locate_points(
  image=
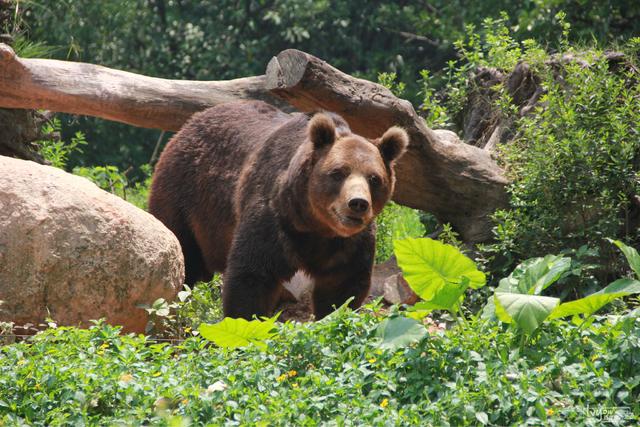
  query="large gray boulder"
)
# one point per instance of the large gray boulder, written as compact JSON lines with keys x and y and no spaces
{"x":73,"y":252}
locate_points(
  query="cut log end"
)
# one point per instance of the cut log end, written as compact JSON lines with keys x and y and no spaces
{"x":286,"y":70}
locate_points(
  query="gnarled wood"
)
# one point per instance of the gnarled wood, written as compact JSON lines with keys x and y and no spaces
{"x":459,"y":183}
{"x":93,"y":90}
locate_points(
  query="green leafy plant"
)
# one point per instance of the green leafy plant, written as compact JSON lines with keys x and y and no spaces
{"x":396,"y":222}
{"x":631,"y":254}
{"x":518,"y":299}
{"x":398,"y":331}
{"x":438,"y":273}
{"x":389,"y":80}
{"x":590,"y":304}
{"x":111,"y":179}
{"x":234,"y":333}
{"x":620,"y":288}
{"x":572,"y":158}
{"x":108,"y":178}
{"x":55,"y":150}
{"x":193,"y":306}
{"x":436,"y":115}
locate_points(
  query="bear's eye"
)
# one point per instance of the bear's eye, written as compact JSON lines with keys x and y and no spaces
{"x":337,"y":174}
{"x":374,"y":180}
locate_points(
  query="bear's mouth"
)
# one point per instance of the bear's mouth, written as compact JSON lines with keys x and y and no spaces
{"x":354,"y":220}
{"x":349,"y":221}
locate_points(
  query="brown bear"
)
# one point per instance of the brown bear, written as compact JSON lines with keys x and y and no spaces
{"x":258,"y":194}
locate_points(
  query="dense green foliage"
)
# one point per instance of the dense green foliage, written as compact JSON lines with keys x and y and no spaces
{"x":574,"y":161}
{"x":440,"y":274}
{"x":109,"y":178}
{"x":396,"y":222}
{"x":333,"y":372}
{"x":229,"y":39}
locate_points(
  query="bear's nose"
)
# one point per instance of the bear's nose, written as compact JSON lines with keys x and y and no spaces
{"x":358,"y":205}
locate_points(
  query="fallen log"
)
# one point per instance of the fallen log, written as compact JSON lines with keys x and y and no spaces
{"x":93,"y":90}
{"x":458,"y":183}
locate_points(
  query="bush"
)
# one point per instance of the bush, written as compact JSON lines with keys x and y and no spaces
{"x":110,"y":179}
{"x":330,"y":372}
{"x":574,"y":161}
{"x":194,"y":306}
{"x":54,"y":149}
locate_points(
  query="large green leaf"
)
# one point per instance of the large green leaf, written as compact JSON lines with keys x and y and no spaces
{"x":527,"y":311}
{"x":512,"y":282}
{"x":534,"y":275}
{"x":234,"y":333}
{"x":447,"y":298}
{"x":428,"y":265}
{"x":594,"y":302}
{"x":529,"y":277}
{"x":543,"y":273}
{"x":632,"y":255}
{"x":399,"y":332}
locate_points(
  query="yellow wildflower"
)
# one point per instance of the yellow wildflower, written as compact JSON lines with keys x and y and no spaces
{"x":294,"y":385}
{"x":550,"y":412}
{"x":292,"y":373}
{"x":539,"y":368}
{"x":281,"y":378}
{"x":157,"y":374}
{"x":372,"y":360}
{"x":384,"y":403}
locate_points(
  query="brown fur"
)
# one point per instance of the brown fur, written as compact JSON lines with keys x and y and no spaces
{"x":259,"y":194}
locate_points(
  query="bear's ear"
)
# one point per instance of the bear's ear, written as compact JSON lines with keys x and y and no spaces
{"x":393,"y":144}
{"x":322,"y":130}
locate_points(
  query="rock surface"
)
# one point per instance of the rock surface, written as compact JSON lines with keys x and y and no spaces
{"x":397,"y":291}
{"x":73,"y":252}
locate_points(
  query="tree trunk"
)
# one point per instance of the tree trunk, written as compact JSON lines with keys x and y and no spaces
{"x":457,"y":182}
{"x":18,"y":130}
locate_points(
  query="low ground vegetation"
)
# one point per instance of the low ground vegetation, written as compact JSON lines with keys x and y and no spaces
{"x":373,"y":366}
{"x":334,"y":371}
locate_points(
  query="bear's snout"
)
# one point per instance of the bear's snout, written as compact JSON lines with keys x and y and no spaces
{"x":357,"y":195}
{"x":358,"y":205}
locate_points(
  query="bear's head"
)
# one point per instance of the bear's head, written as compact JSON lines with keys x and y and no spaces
{"x":350,"y":178}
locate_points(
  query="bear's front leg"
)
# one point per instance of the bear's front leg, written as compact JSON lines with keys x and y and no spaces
{"x":255,"y":268}
{"x":247,"y":294}
{"x":330,"y":291}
